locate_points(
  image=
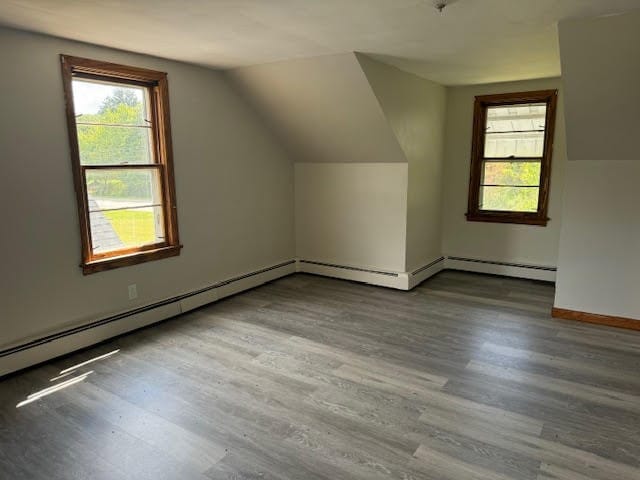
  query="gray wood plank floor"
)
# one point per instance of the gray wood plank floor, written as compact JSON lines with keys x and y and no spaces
{"x":465,"y":377}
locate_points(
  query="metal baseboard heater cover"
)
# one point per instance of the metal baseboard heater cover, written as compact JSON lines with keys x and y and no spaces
{"x":429,"y":265}
{"x":354,"y":269}
{"x":504,"y":264}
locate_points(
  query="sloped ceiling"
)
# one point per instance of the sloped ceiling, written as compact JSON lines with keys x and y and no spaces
{"x":472,"y":41}
{"x":601,"y":60}
{"x":323,"y":109}
{"x":412,"y":106}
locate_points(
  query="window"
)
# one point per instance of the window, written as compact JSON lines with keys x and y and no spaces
{"x":511,"y":157}
{"x":120,"y":139}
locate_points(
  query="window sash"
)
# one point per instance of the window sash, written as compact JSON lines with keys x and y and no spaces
{"x":157,"y":97}
{"x":475,"y":211}
{"x":127,"y":250}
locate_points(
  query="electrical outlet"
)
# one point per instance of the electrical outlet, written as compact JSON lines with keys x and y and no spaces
{"x":133,"y":291}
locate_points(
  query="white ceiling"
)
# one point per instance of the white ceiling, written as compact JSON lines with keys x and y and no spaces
{"x":472,"y":41}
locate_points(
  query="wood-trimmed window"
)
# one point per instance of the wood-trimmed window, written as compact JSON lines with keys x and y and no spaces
{"x":511,"y":157}
{"x":120,"y":142}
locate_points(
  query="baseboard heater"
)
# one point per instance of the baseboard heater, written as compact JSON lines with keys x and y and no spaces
{"x":136,"y":311}
{"x":505,"y":264}
{"x":353,"y":269}
{"x":427,"y":266}
{"x":512,"y":269}
{"x":381,"y":278}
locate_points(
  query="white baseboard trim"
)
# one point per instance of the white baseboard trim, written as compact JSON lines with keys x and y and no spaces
{"x":381,"y":278}
{"x":533,"y":272}
{"x":397,"y":280}
{"x":40,"y":350}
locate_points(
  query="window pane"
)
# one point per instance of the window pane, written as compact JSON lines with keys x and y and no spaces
{"x":519,"y":145}
{"x":131,"y":227}
{"x":511,"y":173}
{"x":514,"y":199}
{"x":118,"y":187}
{"x":104,"y":102}
{"x":508,"y":118}
{"x":109,"y":145}
{"x":125,"y":208}
{"x":515,"y":130}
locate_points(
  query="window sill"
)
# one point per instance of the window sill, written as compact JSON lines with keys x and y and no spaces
{"x":95,"y":266}
{"x":508,"y":217}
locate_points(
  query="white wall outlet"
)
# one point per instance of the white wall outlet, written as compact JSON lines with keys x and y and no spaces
{"x":133,"y":291}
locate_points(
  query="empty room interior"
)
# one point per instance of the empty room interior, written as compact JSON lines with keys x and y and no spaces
{"x":320,"y":240}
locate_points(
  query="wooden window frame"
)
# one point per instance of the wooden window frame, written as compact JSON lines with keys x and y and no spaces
{"x":482,"y":103}
{"x":157,"y":85}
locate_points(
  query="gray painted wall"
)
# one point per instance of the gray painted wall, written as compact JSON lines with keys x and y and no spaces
{"x":599,"y":261}
{"x":351,"y":172}
{"x":234,"y":190}
{"x":415,"y":110}
{"x":494,"y":241}
{"x":352,"y":214}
